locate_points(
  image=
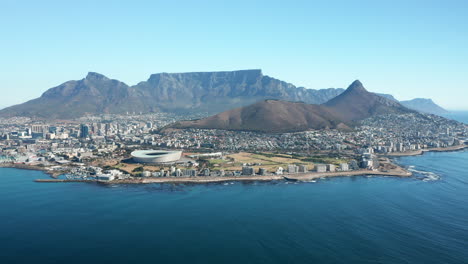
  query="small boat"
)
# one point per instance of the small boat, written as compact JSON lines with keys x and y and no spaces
{"x":290,"y":179}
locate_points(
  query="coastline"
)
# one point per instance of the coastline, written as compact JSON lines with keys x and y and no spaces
{"x":422,"y":151}
{"x":20,"y":166}
{"x":397,"y":171}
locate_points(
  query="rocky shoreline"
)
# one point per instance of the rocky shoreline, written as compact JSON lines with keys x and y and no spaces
{"x":400,"y":172}
{"x":21,"y":166}
{"x":396,"y":171}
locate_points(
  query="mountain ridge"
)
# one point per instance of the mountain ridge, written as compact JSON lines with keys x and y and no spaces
{"x":424,"y":105}
{"x":173,"y":92}
{"x":342,"y":112}
{"x":207,"y":92}
{"x":273,"y":116}
{"x":356,"y":103}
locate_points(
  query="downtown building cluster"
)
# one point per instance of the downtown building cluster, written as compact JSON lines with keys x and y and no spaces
{"x":58,"y":144}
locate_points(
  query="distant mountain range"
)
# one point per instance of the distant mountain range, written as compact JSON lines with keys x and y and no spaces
{"x":211,"y":92}
{"x":343,"y":111}
{"x":422,"y":105}
{"x":425,"y":106}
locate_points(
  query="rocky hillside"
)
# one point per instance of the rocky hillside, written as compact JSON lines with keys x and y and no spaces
{"x":211,"y":92}
{"x":356,"y":103}
{"x":343,"y":111}
{"x":270,"y":116}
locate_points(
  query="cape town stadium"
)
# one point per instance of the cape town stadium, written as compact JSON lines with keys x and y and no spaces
{"x":156,"y":156}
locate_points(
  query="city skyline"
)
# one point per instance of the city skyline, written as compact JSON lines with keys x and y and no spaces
{"x":397,"y":48}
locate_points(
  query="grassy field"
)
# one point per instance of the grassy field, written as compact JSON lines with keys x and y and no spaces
{"x":324,"y":160}
{"x":270,"y":161}
{"x":234,"y":162}
{"x":129,"y":167}
{"x":259,"y":160}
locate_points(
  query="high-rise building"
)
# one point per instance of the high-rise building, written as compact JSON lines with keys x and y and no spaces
{"x":107,"y":128}
{"x":84,"y":131}
{"x":344,"y":167}
{"x":38,"y":129}
{"x":293,"y":168}
{"x":320,"y":168}
{"x":303,"y":168}
{"x":95,"y":128}
{"x":248,"y":171}
{"x":190,"y":173}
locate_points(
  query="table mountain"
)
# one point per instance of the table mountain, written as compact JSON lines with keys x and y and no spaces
{"x":220,"y":91}
{"x":211,"y":92}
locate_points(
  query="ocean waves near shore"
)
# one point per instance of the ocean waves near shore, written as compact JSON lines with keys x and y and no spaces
{"x":332,"y":220}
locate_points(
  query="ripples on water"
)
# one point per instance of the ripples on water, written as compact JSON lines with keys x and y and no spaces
{"x":423,"y":175}
{"x":332,"y":220}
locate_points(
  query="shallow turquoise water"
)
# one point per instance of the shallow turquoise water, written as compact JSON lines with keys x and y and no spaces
{"x":342,"y":220}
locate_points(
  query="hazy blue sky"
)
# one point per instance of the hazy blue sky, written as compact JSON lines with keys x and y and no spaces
{"x":405,"y":48}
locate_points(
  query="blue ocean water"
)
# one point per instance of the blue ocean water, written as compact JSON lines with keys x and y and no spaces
{"x":423,"y":219}
{"x":461,"y":116}
{"x":342,"y":220}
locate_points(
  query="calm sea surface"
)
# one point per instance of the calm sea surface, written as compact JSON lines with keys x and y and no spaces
{"x":423,"y":219}
{"x":461,"y":116}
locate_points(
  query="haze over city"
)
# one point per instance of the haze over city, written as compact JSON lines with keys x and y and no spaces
{"x":409,"y":50}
